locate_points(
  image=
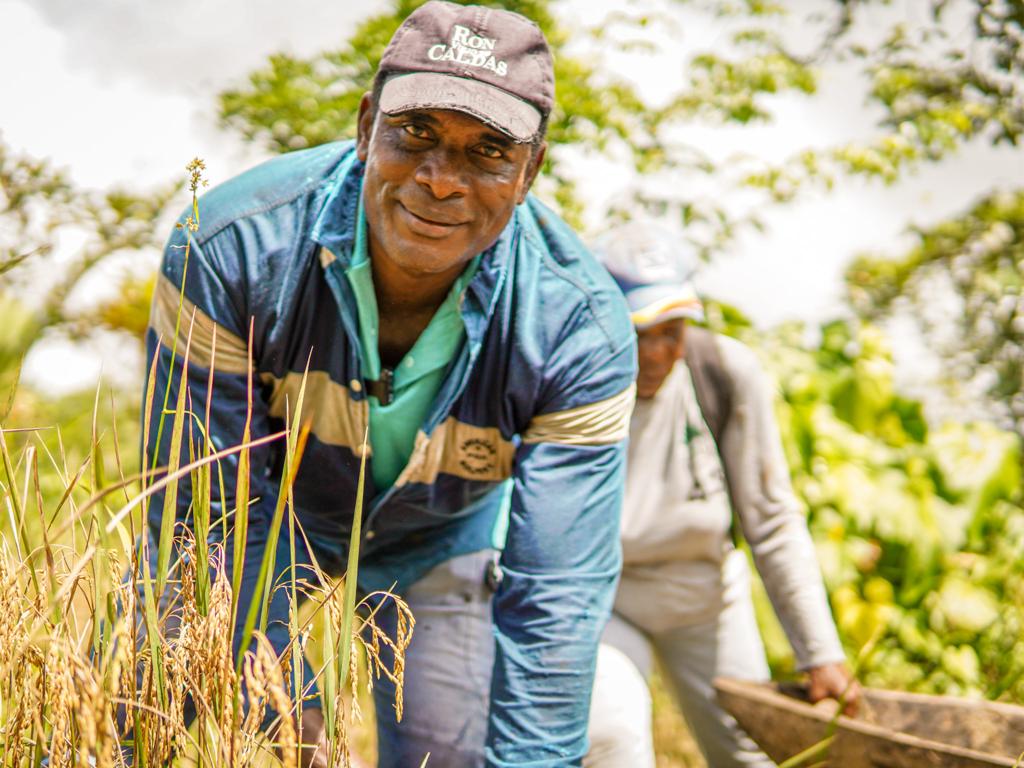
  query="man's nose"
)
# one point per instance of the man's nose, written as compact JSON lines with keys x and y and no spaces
{"x":443,"y":173}
{"x":649,"y":356}
{"x":653,"y":352}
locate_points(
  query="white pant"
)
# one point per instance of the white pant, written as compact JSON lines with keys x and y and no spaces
{"x":690,"y":658}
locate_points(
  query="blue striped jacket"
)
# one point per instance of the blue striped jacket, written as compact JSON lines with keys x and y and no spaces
{"x":539,"y":396}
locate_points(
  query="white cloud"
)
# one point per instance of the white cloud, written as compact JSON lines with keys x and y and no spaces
{"x":125,"y":92}
{"x":178,"y":45}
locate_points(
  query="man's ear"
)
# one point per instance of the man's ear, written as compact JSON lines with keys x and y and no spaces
{"x":364,"y":126}
{"x":532,"y":169}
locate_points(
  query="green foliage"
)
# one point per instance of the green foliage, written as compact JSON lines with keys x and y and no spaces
{"x":38,"y":207}
{"x":128,"y":312}
{"x":936,"y":86}
{"x":919,"y":530}
{"x":732,"y":90}
{"x":976,"y":260}
{"x":961,"y":283}
{"x":294,"y":103}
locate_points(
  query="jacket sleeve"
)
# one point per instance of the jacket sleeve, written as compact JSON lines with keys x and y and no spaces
{"x":562,"y":556}
{"x":214,"y":305}
{"x":770,"y":515}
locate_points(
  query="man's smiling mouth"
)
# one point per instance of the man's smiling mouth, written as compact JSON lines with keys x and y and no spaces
{"x":431,"y":218}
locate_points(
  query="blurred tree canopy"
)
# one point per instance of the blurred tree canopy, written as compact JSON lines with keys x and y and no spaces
{"x":932,"y":86}
{"x":294,"y":103}
{"x":52,"y":235}
{"x":39,"y":206}
{"x":955,"y":75}
{"x":963,"y":284}
{"x":936,"y":75}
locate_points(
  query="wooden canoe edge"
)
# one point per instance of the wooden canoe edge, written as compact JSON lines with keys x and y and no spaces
{"x":766,"y":695}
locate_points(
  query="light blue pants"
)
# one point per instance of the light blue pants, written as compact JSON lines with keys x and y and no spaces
{"x":448,"y":678}
{"x":447,"y":671}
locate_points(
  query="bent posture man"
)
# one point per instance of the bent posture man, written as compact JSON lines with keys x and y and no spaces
{"x":489,"y":355}
{"x":703,"y":446}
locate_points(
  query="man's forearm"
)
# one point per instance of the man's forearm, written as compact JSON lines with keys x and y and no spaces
{"x":547,"y":631}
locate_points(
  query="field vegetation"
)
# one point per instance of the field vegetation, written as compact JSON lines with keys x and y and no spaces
{"x":110,"y":632}
{"x":917,"y":513}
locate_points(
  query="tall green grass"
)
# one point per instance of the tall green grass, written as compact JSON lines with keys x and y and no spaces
{"x":98,"y":653}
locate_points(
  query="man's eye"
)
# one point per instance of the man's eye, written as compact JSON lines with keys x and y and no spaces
{"x":417,"y":131}
{"x":490,"y":151}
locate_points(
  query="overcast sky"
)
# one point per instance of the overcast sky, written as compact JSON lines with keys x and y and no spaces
{"x":123,"y":91}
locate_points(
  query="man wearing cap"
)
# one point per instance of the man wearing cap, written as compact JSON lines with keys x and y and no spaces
{"x":438,"y":305}
{"x":704,"y":456}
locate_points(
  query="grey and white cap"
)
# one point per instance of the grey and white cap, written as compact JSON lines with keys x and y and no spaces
{"x":492,"y":64}
{"x":654,"y":268}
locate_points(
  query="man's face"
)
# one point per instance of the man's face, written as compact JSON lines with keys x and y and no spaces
{"x":658,"y":348}
{"x":439,"y":185}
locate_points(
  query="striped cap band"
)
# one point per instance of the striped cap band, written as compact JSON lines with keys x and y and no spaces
{"x":652,"y":304}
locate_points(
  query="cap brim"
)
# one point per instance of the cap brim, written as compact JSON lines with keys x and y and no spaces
{"x":656,"y":304}
{"x":431,"y":90}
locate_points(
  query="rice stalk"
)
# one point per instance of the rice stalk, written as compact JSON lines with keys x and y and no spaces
{"x":98,"y":652}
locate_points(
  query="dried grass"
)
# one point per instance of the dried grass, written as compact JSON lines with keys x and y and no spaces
{"x":96,"y":655}
{"x":79,"y":678}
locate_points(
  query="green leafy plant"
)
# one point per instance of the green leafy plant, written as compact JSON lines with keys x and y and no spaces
{"x":918,"y":528}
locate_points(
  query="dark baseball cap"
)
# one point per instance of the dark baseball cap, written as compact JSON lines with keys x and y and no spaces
{"x":492,"y":64}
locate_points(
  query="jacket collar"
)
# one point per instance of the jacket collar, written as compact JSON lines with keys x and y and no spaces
{"x":335,"y":226}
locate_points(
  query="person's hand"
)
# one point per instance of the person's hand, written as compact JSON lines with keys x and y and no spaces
{"x":834,"y":681}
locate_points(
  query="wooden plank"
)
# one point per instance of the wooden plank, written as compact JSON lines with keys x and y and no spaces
{"x":985,"y":726}
{"x":892,"y":729}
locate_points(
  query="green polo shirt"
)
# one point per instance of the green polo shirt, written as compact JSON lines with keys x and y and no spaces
{"x":417,"y":378}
